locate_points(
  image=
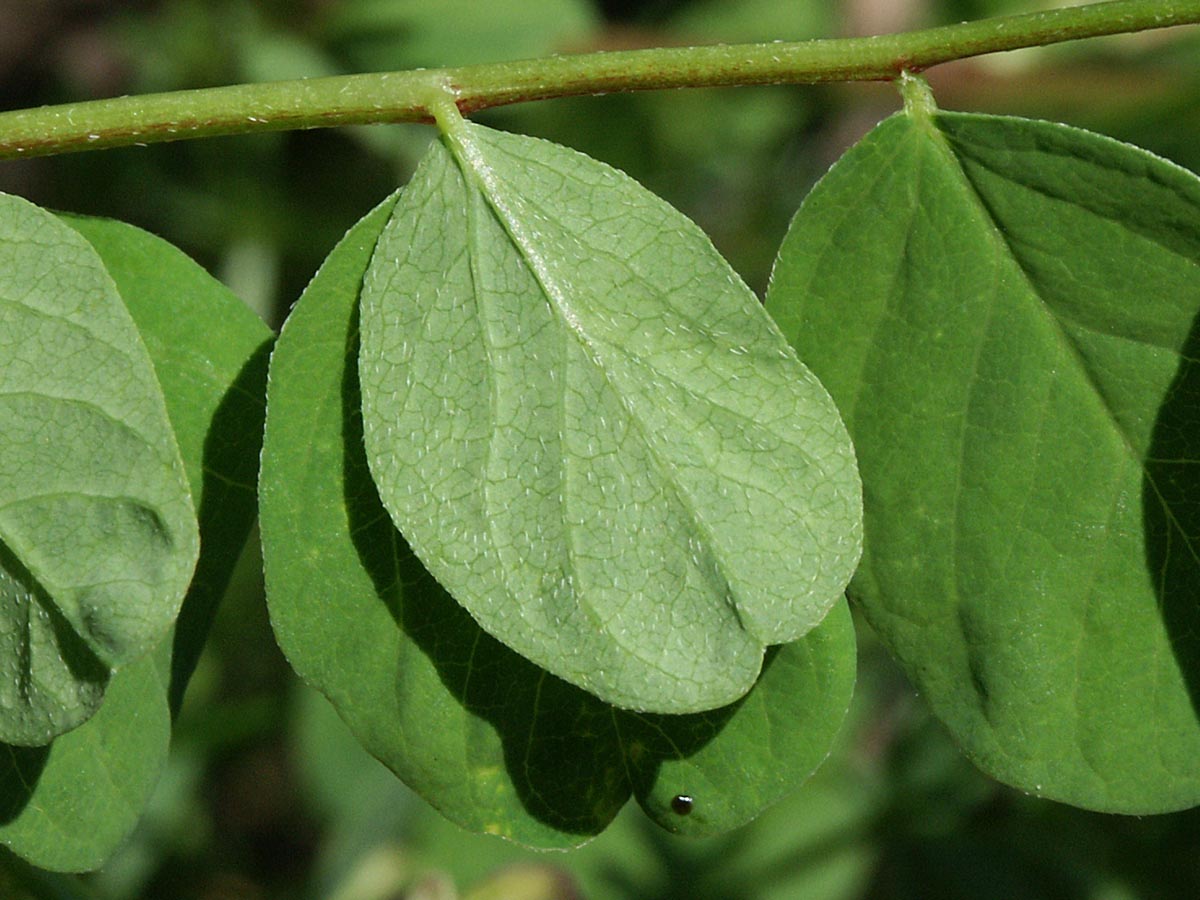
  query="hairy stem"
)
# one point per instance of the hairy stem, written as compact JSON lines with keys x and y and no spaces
{"x":411,"y":96}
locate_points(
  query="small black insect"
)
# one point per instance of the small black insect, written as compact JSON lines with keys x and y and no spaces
{"x":681,"y":804}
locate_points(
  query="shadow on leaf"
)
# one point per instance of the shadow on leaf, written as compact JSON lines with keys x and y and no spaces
{"x":226,"y":512}
{"x":66,"y":693}
{"x":1171,"y":501}
{"x":20,"y":770}
{"x":564,"y":751}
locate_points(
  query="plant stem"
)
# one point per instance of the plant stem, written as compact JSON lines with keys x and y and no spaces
{"x":410,"y":96}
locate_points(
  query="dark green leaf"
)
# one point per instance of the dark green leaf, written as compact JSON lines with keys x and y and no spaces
{"x":588,"y":429}
{"x":497,"y":744}
{"x":734,"y":762}
{"x":1006,"y":311}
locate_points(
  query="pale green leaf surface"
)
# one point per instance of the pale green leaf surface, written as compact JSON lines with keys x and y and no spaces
{"x":495,"y":743}
{"x":69,"y":805}
{"x":590,"y":432}
{"x":98,"y":536}
{"x":1005,"y":311}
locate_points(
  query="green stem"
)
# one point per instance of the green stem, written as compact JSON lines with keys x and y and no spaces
{"x":410,"y":96}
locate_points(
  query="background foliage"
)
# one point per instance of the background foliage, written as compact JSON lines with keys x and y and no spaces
{"x":265,"y":794}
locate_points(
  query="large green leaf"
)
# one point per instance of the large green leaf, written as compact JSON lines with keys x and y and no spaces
{"x":1005,"y":311}
{"x":98,"y":536}
{"x":497,"y":744}
{"x":67,"y":806}
{"x":587,"y":428}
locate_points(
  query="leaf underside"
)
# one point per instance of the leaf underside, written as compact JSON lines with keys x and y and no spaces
{"x":1005,"y":311}
{"x":98,"y":536}
{"x":588,"y":429}
{"x":68,"y":806}
{"x":497,"y":744}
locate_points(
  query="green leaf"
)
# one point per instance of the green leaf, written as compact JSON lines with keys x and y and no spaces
{"x":590,"y":432}
{"x":495,"y":743}
{"x":1006,"y":312}
{"x":98,"y":535}
{"x":735,"y":762}
{"x":69,"y":805}
{"x":210,"y":354}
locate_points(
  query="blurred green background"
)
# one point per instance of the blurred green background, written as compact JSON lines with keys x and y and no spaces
{"x":266,"y":794}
